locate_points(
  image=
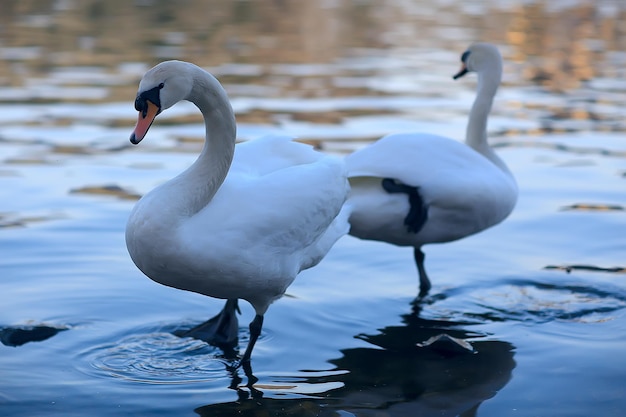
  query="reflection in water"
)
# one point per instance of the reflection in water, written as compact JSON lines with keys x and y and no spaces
{"x":291,"y":31}
{"x":407,"y":380}
{"x":110,"y":190}
{"x":55,"y":51}
{"x":395,"y":377}
{"x":556,"y":47}
{"x":531,"y":301}
{"x":570,"y":44}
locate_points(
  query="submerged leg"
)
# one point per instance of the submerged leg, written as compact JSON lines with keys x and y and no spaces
{"x":418,"y":211}
{"x":255,"y":330}
{"x":424,"y":281}
{"x":221,"y":330}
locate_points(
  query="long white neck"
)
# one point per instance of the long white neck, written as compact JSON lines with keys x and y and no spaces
{"x":476,"y":134}
{"x":197,"y":185}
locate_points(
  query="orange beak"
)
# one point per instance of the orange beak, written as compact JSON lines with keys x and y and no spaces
{"x":144,"y":122}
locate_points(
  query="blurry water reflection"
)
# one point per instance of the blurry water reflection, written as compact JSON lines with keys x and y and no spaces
{"x":95,"y":51}
{"x":396,"y":377}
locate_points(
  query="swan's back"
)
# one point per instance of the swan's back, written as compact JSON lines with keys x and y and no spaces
{"x":272,"y":153}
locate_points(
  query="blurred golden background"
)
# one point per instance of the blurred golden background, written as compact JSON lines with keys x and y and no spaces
{"x":554,"y":46}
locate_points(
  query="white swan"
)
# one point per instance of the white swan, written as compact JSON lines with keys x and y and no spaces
{"x":241,"y":230}
{"x":413,"y":189}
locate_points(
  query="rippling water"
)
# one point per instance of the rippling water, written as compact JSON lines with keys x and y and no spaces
{"x":541,"y":298}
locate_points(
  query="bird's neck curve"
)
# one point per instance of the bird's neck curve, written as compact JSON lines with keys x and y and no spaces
{"x":198,"y":184}
{"x":476,"y":134}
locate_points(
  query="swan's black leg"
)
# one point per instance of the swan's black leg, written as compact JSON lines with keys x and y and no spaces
{"x":221,"y":330}
{"x":255,"y":330}
{"x":414,"y":221}
{"x":424,"y":281}
{"x":418,"y":211}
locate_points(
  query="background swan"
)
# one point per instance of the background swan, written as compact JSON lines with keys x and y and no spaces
{"x":413,"y":189}
{"x":241,"y":231}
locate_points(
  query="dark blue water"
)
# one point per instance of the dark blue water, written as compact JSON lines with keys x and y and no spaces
{"x":540,"y":298}
{"x":344,"y":340}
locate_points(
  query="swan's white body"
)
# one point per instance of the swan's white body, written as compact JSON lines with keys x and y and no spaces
{"x":465,"y":188}
{"x":241,"y":230}
{"x":274,"y":216}
{"x":464,"y":191}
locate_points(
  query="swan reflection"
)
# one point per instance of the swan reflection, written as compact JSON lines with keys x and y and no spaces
{"x":394,"y":376}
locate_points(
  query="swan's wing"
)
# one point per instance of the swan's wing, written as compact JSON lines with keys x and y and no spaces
{"x":291,"y":206}
{"x":440,"y":167}
{"x":281,"y":202}
{"x":409,"y":157}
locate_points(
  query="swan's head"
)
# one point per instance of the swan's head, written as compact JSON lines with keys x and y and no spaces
{"x":479,"y":57}
{"x":160,"y":88}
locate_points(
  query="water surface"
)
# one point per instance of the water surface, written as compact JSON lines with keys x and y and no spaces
{"x":541,"y":298}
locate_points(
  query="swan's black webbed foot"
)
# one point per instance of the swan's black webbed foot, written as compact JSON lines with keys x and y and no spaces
{"x":221,"y":331}
{"x":418,"y":211}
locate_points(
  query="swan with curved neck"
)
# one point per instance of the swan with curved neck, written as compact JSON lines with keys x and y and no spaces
{"x":412,"y":189}
{"x":242,"y":221}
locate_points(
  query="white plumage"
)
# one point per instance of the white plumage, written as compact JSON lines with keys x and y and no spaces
{"x":456,"y":189}
{"x":239,"y":228}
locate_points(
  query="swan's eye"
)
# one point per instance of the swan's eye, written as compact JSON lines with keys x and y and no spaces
{"x":152,"y":95}
{"x":465,"y":56}
{"x":140,"y":104}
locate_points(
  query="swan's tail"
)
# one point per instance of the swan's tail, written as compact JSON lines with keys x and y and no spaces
{"x":338,"y":228}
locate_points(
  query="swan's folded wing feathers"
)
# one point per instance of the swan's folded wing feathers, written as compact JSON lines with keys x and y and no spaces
{"x":409,"y":157}
{"x":290,"y":207}
{"x":450,"y":169}
{"x":308,"y":198}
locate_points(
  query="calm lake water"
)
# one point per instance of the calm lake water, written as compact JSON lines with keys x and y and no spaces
{"x":541,"y":297}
